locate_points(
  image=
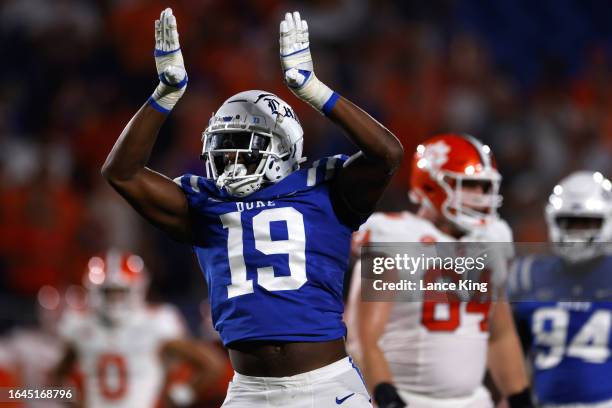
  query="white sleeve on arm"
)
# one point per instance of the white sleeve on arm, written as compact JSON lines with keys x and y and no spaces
{"x":170,"y":323}
{"x":70,"y":325}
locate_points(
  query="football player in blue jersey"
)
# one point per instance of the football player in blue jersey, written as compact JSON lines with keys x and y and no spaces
{"x":272,"y":239}
{"x":563,"y":301}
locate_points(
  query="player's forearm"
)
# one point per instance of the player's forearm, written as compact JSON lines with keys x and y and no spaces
{"x":133,"y":148}
{"x":375,"y":367}
{"x":205,"y":377}
{"x":62,"y":370}
{"x":376,"y":142}
{"x":209,"y":367}
{"x":207,"y":363}
{"x":506,"y":364}
{"x":59,"y":375}
{"x":505,"y":356}
{"x":206,"y":360}
{"x":379,"y":379}
{"x":370,"y":325}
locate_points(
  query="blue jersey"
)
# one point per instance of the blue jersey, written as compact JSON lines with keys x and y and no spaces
{"x":275,"y":260}
{"x":569,"y":340}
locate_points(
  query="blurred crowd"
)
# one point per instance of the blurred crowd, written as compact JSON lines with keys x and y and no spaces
{"x":531,"y":79}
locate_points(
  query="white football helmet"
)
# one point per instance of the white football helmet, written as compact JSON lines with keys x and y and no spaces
{"x":116,"y":285}
{"x":579,"y":215}
{"x":254,"y":138}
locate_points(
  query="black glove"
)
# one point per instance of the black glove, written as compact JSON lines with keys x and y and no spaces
{"x":386,"y":396}
{"x":521,"y":399}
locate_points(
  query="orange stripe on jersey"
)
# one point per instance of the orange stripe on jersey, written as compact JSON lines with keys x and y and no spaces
{"x":427,"y":239}
{"x":394,"y":215}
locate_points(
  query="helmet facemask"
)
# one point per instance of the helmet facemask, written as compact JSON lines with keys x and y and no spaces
{"x":465,"y":207}
{"x":236,"y":160}
{"x":243,"y":161}
{"x":578,"y":238}
{"x":118,"y":303}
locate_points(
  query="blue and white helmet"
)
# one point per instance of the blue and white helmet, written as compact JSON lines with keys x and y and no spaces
{"x":584,"y":199}
{"x":254,"y":138}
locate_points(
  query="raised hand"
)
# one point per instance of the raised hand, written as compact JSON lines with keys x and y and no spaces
{"x":297,"y":66}
{"x":295,"y":50}
{"x":169,"y":63}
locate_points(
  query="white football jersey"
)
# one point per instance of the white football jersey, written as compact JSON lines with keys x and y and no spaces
{"x":434,"y":349}
{"x":35,"y":353}
{"x":121,"y":365}
{"x":7,"y":365}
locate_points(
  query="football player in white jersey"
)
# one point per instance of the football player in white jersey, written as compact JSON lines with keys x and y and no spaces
{"x":434,"y":354}
{"x":36,"y":350}
{"x":124,"y":348}
{"x":8,"y":376}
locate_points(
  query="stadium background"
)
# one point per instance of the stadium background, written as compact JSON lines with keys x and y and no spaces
{"x":530,"y":78}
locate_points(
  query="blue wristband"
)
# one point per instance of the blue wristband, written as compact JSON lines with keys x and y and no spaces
{"x":157,"y":106}
{"x":331,"y":102}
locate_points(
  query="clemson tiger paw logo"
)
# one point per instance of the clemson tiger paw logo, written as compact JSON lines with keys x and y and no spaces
{"x":434,"y":155}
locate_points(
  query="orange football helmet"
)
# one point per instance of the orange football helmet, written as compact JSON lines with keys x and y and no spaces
{"x":116,"y":284}
{"x":445,"y":171}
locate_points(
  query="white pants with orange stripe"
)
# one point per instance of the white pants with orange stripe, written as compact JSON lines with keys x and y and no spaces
{"x":337,"y":385}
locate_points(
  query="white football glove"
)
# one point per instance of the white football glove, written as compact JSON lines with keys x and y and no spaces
{"x":181,"y":395}
{"x":296,"y":63}
{"x":169,"y":63}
